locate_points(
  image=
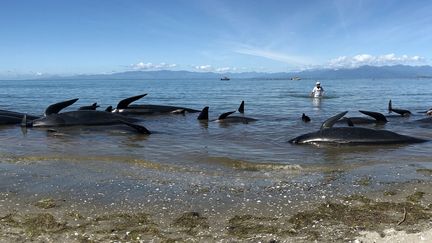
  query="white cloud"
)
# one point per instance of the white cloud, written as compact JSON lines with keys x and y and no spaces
{"x":207,"y":68}
{"x":151,"y":66}
{"x":366,"y":59}
{"x":226,"y":69}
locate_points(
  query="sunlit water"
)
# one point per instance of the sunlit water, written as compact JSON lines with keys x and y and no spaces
{"x":182,"y":143}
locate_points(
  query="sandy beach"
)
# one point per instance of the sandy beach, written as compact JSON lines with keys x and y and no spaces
{"x":168,"y":204}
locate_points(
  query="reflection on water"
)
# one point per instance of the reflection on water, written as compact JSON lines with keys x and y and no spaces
{"x":316,"y":102}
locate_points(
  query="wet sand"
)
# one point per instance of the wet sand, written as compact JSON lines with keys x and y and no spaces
{"x":97,"y":200}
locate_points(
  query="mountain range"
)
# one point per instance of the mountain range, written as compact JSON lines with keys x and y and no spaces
{"x":396,"y":71}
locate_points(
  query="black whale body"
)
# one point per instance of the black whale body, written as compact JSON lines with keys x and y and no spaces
{"x":12,"y":117}
{"x":155,"y":109}
{"x":81,"y":117}
{"x":125,"y":107}
{"x":53,"y":118}
{"x":354,"y":135}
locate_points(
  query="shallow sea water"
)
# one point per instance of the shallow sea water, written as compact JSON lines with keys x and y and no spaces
{"x":98,"y":164}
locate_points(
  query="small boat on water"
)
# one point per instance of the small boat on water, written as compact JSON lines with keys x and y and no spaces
{"x":296,"y":78}
{"x":225,"y":78}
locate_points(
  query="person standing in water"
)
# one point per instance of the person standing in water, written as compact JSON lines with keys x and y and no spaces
{"x":317,"y":91}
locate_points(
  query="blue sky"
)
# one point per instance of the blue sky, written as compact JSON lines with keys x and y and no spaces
{"x":41,"y":37}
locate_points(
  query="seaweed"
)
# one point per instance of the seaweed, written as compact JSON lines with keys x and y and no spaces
{"x":365,"y":181}
{"x":247,"y":225}
{"x":45,"y":203}
{"x":416,"y":197}
{"x":389,"y":193}
{"x":425,"y":171}
{"x":368,"y":215}
{"x":42,"y":223}
{"x":192,"y":222}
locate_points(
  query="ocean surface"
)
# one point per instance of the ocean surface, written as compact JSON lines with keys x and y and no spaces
{"x":181,"y":143}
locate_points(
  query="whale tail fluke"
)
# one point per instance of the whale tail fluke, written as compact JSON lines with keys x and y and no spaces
{"x":203,"y":114}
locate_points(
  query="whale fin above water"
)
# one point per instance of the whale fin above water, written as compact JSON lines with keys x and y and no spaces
{"x":241,"y":107}
{"x":89,"y":107}
{"x":332,"y":120}
{"x":204,"y":114}
{"x":350,"y":122}
{"x":401,"y":112}
{"x":305,"y":118}
{"x":138,"y":128}
{"x":123,"y":104}
{"x":390,"y":108}
{"x":225,"y":115}
{"x":57,"y":107}
{"x":376,"y":115}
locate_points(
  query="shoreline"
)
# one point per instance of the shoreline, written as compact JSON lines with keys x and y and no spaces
{"x":45,"y":202}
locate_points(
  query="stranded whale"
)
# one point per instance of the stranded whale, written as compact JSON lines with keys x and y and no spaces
{"x":352,"y":135}
{"x":401,"y":112}
{"x":12,"y":117}
{"x":226,"y":117}
{"x":124,"y":106}
{"x":81,"y":118}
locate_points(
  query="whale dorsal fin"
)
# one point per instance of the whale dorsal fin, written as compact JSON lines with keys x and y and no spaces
{"x":390,"y":108}
{"x":123,"y":104}
{"x":305,"y":118}
{"x":204,"y":114}
{"x":241,"y":107}
{"x":349,"y":122}
{"x":332,"y":120}
{"x":57,"y":107}
{"x":94,"y":106}
{"x":225,"y":115}
{"x":376,"y":115}
{"x":401,"y":112}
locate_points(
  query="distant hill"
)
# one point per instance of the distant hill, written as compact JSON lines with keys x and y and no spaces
{"x":166,"y":74}
{"x":396,"y":71}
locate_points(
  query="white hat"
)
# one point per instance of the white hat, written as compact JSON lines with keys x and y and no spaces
{"x":318,"y":83}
